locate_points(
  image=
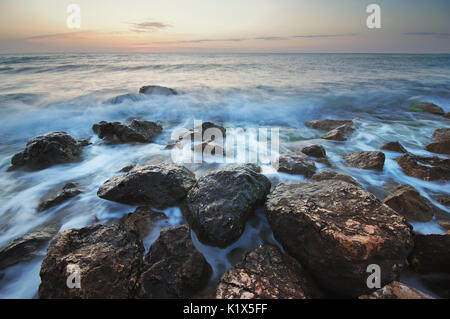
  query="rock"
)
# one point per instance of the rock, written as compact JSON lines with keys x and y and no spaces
{"x":407,"y":201}
{"x":315,"y":151}
{"x":26,"y":247}
{"x":427,"y":108}
{"x":444,"y":223}
{"x":156,"y":89}
{"x":212,"y":148}
{"x":397,"y":290}
{"x":137,"y":131}
{"x":173,"y":267}
{"x":197,"y":134}
{"x":141,"y":221}
{"x":125,"y":97}
{"x":327,"y":174}
{"x":128,"y":168}
{"x":48,"y":149}
{"x":55,"y":198}
{"x":340,"y":133}
{"x":366,"y":159}
{"x":323,"y":160}
{"x":447,"y":115}
{"x":335,"y":225}
{"x":443,"y":200}
{"x":109,"y":259}
{"x":442,"y":147}
{"x":327,"y":124}
{"x":442,"y":134}
{"x":431,"y":253}
{"x":394,"y":147}
{"x":426,"y":168}
{"x":218,"y":206}
{"x":266,"y":273}
{"x":295,"y":164}
{"x":84,"y":142}
{"x":160,"y":186}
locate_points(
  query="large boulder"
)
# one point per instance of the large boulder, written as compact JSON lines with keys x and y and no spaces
{"x":327,"y":124}
{"x":340,"y":133}
{"x":160,"y":186}
{"x":397,"y":290}
{"x":266,"y":273}
{"x":59,"y":196}
{"x":426,"y":168}
{"x":295,"y":164}
{"x":407,"y":201}
{"x":48,"y":149}
{"x":218,"y":206}
{"x":108,"y":257}
{"x":394,"y":147}
{"x":441,"y":147}
{"x":173,"y":267}
{"x":431,"y":253}
{"x":442,"y":134}
{"x":427,"y":108}
{"x":315,"y":151}
{"x":365,"y":159}
{"x":142,"y":220}
{"x":156,"y":89}
{"x":336,"y":225}
{"x":327,"y":174}
{"x":137,"y":131}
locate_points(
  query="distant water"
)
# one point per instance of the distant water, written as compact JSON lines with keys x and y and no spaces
{"x":67,"y":92}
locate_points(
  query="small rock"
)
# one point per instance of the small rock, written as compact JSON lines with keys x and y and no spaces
{"x":128,"y":168}
{"x":295,"y":164}
{"x":315,"y":151}
{"x":55,"y":198}
{"x":197,"y":134}
{"x":426,"y":107}
{"x":340,"y":133}
{"x":431,"y":253}
{"x":327,"y":174}
{"x":442,"y":147}
{"x":125,"y":97}
{"x":156,"y":89}
{"x":397,"y":290}
{"x":84,"y":142}
{"x":394,"y":147}
{"x":327,"y":124}
{"x":442,"y":134}
{"x":137,"y":131}
{"x":426,"y":168}
{"x":366,"y":159}
{"x":141,"y":221}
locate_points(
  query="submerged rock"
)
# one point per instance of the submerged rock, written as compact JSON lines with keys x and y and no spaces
{"x":442,"y":147}
{"x":340,"y":133}
{"x":109,"y":259}
{"x":315,"y":151}
{"x":366,"y":159}
{"x":327,"y":174}
{"x":26,"y":247}
{"x":295,"y":164}
{"x":266,"y":273}
{"x":55,"y":198}
{"x":218,"y":206}
{"x":125,"y":97}
{"x":394,"y":147}
{"x":336,"y":225}
{"x":431,"y":253}
{"x":48,"y":149}
{"x":160,"y":186}
{"x":137,"y":131}
{"x":141,"y":221}
{"x":397,"y":290}
{"x":173,"y":267}
{"x":427,"y":108}
{"x":156,"y":89}
{"x":426,"y":168}
{"x":327,"y":124}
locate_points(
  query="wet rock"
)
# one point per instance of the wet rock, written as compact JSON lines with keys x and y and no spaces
{"x":327,"y":124}
{"x":197,"y":134}
{"x":340,"y":133}
{"x":128,"y":168}
{"x":173,"y":267}
{"x":26,"y":247}
{"x":442,"y":147}
{"x":218,"y":206}
{"x":444,"y":223}
{"x":109,"y":259}
{"x":431,"y":253}
{"x":323,"y":160}
{"x":315,"y":151}
{"x":55,"y":198}
{"x":327,"y":175}
{"x":443,"y":200}
{"x":46,"y":150}
{"x":84,"y":142}
{"x":137,"y":131}
{"x":397,"y":290}
{"x":266,"y":273}
{"x":442,"y":134}
{"x":209,"y":148}
{"x":125,"y":97}
{"x":427,"y":108}
{"x":366,"y":159}
{"x":295,"y":164}
{"x":394,"y":147}
{"x":407,"y":201}
{"x":141,"y":221}
{"x":426,"y":168}
{"x":156,"y":89}
{"x":335,"y":225}
{"x":160,"y":186}
{"x":447,"y":115}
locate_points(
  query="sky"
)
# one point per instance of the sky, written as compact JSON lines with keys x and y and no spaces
{"x":407,"y":26}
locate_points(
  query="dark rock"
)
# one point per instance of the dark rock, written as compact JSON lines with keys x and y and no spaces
{"x":125,"y":97}
{"x":197,"y":134}
{"x":48,"y":149}
{"x":109,"y":259}
{"x":394,"y":147}
{"x":447,"y":115}
{"x":266,"y":273}
{"x":55,"y":198}
{"x":327,"y":174}
{"x":141,"y":221}
{"x":137,"y":131}
{"x":327,"y":124}
{"x":336,"y":229}
{"x":340,"y":133}
{"x":156,"y":89}
{"x":323,"y":160}
{"x":442,"y":134}
{"x":427,"y":108}
{"x":212,"y":148}
{"x":173,"y":267}
{"x":366,"y":159}
{"x":442,"y":147}
{"x":443,"y":200}
{"x":431,"y":253}
{"x":27,"y":247}
{"x":314,"y":150}
{"x":160,"y":186}
{"x":444,"y":223}
{"x":84,"y":142}
{"x":426,"y":168}
{"x":218,"y":206}
{"x":295,"y":164}
{"x":128,"y":168}
{"x":397,"y":290}
{"x":407,"y":201}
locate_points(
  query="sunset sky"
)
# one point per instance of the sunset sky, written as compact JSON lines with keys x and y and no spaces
{"x":224,"y":26}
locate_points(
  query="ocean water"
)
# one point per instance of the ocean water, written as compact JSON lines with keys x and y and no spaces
{"x":70,"y":92}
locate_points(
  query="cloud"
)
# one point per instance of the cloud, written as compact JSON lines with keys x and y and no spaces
{"x":325,"y":35}
{"x":429,"y":34}
{"x":61,"y":36}
{"x":148,"y":26}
